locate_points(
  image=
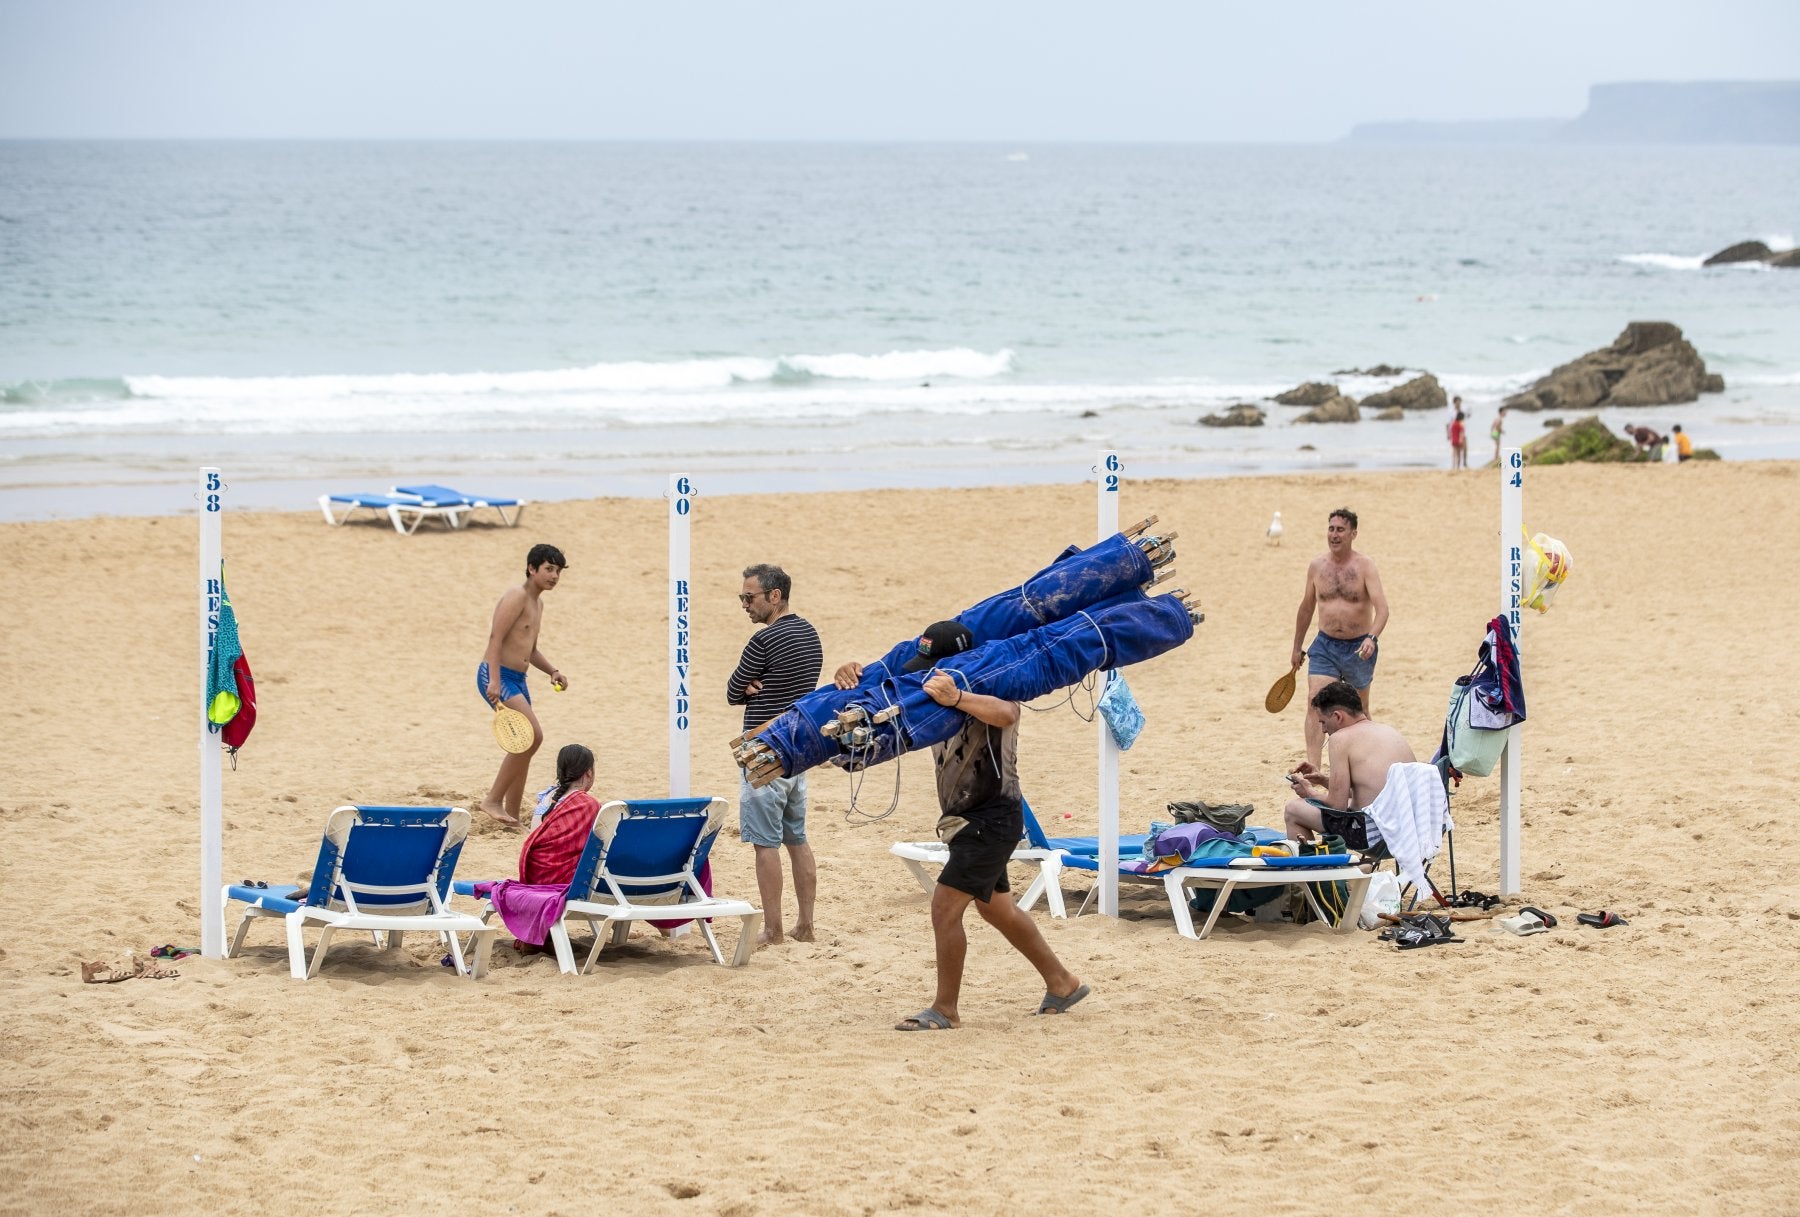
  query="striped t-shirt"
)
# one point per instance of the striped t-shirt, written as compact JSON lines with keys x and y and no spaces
{"x":786,"y":657}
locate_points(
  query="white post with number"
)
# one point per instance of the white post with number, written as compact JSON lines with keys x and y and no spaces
{"x":212,"y":594}
{"x":1106,"y":487}
{"x":1512,"y":591}
{"x":681,"y":502}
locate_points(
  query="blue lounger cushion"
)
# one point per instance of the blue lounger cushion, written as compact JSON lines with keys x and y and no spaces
{"x":445,"y":496}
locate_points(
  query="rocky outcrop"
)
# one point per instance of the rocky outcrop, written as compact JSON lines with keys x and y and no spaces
{"x":1743,"y":251}
{"x":1380,"y":369}
{"x":1241,"y":415}
{"x":1391,"y":414}
{"x":1586,"y":439}
{"x":1419,"y":393}
{"x":1312,"y":393}
{"x":1339,"y":409}
{"x":1650,"y":364}
{"x":1754,"y":251}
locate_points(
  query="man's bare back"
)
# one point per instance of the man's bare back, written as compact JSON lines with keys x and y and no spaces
{"x":1366,"y":750}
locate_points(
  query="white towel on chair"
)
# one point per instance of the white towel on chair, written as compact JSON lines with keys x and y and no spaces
{"x":1412,"y":811}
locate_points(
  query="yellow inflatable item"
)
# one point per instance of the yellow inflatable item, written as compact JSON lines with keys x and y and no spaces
{"x":224,"y":708}
{"x":1553,"y":566}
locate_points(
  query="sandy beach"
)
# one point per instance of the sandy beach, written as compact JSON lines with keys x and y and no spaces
{"x":1271,"y":1069}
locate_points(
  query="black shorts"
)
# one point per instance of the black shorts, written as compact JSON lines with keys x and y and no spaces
{"x":1353,"y":826}
{"x":980,"y":851}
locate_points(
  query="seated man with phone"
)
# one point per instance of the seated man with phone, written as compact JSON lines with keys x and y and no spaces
{"x":1361,"y":751}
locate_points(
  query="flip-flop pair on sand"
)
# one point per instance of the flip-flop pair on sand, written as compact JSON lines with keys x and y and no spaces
{"x":929,"y":1019}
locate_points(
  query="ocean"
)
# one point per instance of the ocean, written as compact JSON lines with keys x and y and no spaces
{"x":555,"y":320}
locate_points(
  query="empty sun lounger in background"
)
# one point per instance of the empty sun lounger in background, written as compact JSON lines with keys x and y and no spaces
{"x":446,"y":497}
{"x":641,"y":863}
{"x":404,"y":512}
{"x":383,"y":869}
{"x":1035,"y":849}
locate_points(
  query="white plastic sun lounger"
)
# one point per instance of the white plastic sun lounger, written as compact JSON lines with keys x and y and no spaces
{"x":404,"y":512}
{"x":1226,"y":875}
{"x":448,"y":498}
{"x":383,"y":869}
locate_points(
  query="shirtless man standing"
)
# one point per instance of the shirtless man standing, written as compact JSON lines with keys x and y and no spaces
{"x":512,"y":647}
{"x":1361,"y":753}
{"x":1345,"y":588}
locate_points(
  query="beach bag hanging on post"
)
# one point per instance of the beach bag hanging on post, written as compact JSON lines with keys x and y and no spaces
{"x":238,"y":729}
{"x":222,"y":700}
{"x":1124,"y":718}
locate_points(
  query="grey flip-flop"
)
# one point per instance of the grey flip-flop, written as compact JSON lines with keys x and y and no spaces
{"x":925,"y":1020}
{"x":1053,"y":1004}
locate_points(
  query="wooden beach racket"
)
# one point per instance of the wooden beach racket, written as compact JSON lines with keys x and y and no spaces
{"x":512,"y":730}
{"x":1280,"y":693}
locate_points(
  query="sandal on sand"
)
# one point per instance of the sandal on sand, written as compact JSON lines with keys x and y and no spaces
{"x":1528,"y":921}
{"x":100,"y":972}
{"x":925,"y":1020}
{"x":1053,"y":1004}
{"x":1602,"y":920}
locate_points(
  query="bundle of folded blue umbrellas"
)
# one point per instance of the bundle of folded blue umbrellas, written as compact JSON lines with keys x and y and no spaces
{"x":1088,"y":611}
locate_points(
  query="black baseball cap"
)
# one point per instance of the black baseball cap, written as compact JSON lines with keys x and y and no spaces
{"x":941,"y":640}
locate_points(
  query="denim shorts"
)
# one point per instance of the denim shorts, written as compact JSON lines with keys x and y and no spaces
{"x":775,"y":814}
{"x":1337,"y":658}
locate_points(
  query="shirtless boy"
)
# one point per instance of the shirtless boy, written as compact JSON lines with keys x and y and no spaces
{"x":1361,"y":752}
{"x":1345,"y":588}
{"x":512,"y":647}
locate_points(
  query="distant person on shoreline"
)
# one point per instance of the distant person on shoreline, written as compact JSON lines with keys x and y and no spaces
{"x":1496,"y":431}
{"x":512,"y":647}
{"x":1458,"y":432}
{"x":1345,"y":588}
{"x":1684,"y":446}
{"x":779,"y":665}
{"x":1647,"y":441}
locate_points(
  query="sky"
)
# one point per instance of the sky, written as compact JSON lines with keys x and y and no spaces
{"x":979,"y":70}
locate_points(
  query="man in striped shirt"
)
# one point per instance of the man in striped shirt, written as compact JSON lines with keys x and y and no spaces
{"x":780,"y":664}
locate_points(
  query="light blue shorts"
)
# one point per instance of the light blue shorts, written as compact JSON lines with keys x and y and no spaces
{"x":774,"y":815}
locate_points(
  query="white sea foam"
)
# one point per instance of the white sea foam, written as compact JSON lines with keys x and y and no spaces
{"x":1696,"y":261}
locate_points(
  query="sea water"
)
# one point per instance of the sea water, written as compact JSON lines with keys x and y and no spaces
{"x":559,"y":320}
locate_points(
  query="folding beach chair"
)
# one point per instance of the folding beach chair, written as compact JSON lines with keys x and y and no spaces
{"x":641,"y":863}
{"x":447,"y":498}
{"x":404,"y":512}
{"x":1044,"y":853}
{"x":382,"y":869}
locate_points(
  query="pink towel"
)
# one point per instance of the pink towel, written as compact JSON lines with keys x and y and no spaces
{"x":528,"y":910}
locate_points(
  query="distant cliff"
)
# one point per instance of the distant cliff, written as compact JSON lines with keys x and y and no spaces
{"x":1699,"y":112}
{"x":1702,"y":112}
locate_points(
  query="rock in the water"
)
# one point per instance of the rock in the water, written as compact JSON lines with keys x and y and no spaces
{"x":1390,"y":414}
{"x":1743,"y":251}
{"x":1380,"y":369}
{"x":1787,"y":257}
{"x":1419,"y":393}
{"x":1550,"y":424}
{"x":1649,"y":364}
{"x":1714,"y":383}
{"x":1241,"y":415}
{"x":1312,"y":393}
{"x":1338,"y":409}
{"x":1586,"y":439}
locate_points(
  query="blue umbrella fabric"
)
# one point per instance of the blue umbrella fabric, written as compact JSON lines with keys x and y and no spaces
{"x":1114,"y":633}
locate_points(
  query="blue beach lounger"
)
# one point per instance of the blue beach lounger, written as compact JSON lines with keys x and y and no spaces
{"x":381,"y":869}
{"x":641,"y":863}
{"x":447,"y":498}
{"x":404,"y":512}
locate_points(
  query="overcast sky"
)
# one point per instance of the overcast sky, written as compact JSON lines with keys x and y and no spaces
{"x":1006,"y":70}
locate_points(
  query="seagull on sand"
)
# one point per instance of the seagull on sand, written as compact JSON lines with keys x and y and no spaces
{"x":1275,"y":530}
